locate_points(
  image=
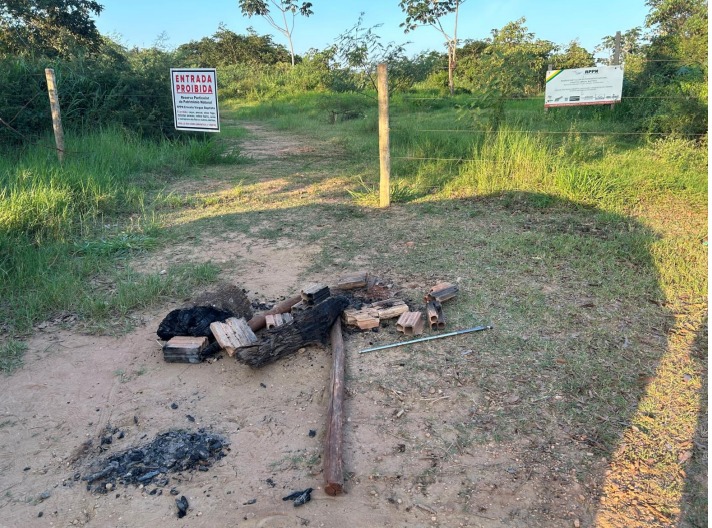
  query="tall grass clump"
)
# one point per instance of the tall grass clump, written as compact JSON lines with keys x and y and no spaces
{"x":62,"y":224}
{"x":506,"y":160}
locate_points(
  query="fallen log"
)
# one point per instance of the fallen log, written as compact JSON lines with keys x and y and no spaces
{"x":333,"y":444}
{"x":259,"y":321}
{"x":308,"y":328}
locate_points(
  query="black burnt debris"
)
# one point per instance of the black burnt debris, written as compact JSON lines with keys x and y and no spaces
{"x":193,"y":322}
{"x":299,"y":497}
{"x":171,"y":452}
{"x":182,"y":505}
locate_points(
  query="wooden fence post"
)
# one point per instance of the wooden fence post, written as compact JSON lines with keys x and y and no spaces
{"x":56,"y":116}
{"x":616,"y":54}
{"x":384,"y":142}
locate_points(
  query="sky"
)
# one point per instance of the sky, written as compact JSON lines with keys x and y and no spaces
{"x":140,"y":22}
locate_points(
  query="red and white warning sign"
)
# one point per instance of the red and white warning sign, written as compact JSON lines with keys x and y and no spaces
{"x":195,"y":99}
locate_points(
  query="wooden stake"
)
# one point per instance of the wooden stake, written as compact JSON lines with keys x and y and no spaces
{"x":333,"y":445}
{"x":384,"y":141}
{"x":56,"y":116}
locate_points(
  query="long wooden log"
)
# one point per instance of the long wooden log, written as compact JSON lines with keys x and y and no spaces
{"x":333,"y":444}
{"x":308,"y":328}
{"x":259,"y":321}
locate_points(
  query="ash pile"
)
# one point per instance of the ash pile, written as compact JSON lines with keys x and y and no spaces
{"x":171,"y":452}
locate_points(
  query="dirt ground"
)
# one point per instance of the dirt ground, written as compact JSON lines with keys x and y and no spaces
{"x":399,"y":474}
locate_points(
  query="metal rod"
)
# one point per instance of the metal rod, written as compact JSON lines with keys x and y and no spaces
{"x":457,"y":332}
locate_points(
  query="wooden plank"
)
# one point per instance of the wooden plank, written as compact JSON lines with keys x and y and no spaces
{"x":333,"y":441}
{"x":390,"y":308}
{"x":184,"y":349}
{"x":365,"y":318}
{"x":233,"y":334}
{"x":352,"y":281}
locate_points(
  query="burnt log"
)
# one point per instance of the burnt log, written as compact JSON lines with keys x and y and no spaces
{"x":333,"y":442}
{"x":308,"y":328}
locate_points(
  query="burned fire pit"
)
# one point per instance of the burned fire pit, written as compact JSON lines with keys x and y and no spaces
{"x":171,"y":452}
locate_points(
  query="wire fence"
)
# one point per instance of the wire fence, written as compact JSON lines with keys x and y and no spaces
{"x":97,"y":99}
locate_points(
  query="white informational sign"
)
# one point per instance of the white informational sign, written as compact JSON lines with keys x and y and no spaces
{"x":584,"y":86}
{"x":195,"y":99}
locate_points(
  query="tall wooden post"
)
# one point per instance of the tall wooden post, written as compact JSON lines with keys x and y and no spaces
{"x":56,"y":116}
{"x":617,"y":49}
{"x":384,"y":141}
{"x":616,"y":54}
{"x":548,"y":70}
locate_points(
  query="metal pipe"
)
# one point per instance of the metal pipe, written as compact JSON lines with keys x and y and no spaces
{"x":457,"y":332}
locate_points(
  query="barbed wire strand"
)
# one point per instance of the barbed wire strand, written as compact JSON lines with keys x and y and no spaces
{"x":571,"y":132}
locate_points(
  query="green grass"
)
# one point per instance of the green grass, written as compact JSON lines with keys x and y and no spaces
{"x":12,"y":354}
{"x":62,"y":225}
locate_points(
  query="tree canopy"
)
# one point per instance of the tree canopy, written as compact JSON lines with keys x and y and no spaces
{"x":226,"y":47}
{"x":48,"y":27}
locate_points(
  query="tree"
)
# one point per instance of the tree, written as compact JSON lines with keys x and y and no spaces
{"x":288,"y":8}
{"x":226,"y":47}
{"x":430,"y":13}
{"x":48,"y":27}
{"x":360,"y":50}
{"x":573,"y":56}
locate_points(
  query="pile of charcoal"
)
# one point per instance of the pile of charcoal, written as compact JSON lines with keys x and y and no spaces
{"x":171,"y":452}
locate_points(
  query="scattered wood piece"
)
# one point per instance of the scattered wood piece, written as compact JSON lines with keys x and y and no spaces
{"x":352,"y":281}
{"x":410,"y":323}
{"x":184,"y":349}
{"x":233,"y":334}
{"x":333,"y":445}
{"x":435,"y":315}
{"x":275,"y":320}
{"x":390,"y":308}
{"x":426,"y":508}
{"x":315,"y":293}
{"x":441,"y":292}
{"x":259,"y":321}
{"x":365,"y":318}
{"x":309,"y":327}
